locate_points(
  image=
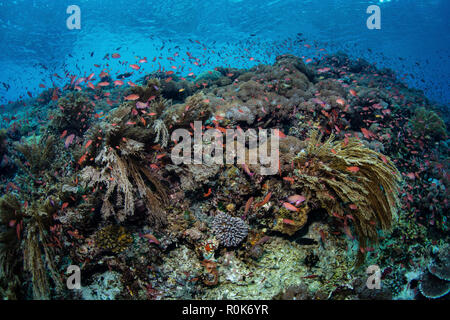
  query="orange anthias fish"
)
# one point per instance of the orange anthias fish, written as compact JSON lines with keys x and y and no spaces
{"x":248,"y":204}
{"x":353,"y":169}
{"x":151,"y":238}
{"x":208,"y":193}
{"x":289,"y":179}
{"x":265,"y":200}
{"x":135,"y":66}
{"x":288,"y":221}
{"x":279,"y":133}
{"x":69,"y":140}
{"x":132,"y":97}
{"x":340,"y":102}
{"x":297,"y":199}
{"x":367,"y":133}
{"x":82,"y":159}
{"x":88,"y":144}
{"x":290,"y":207}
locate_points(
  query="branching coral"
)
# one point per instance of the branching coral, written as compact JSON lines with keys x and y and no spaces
{"x":229,"y":230}
{"x":351,"y":181}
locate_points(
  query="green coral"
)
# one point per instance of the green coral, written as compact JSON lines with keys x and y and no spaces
{"x":113,"y":238}
{"x":209,"y":75}
{"x":427,"y":123}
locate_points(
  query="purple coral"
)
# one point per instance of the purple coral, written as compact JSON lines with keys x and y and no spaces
{"x":230,"y":231}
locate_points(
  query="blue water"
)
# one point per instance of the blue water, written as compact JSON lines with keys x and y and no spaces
{"x":35,"y":42}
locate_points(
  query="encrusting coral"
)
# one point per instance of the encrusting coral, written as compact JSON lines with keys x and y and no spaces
{"x":351,"y":182}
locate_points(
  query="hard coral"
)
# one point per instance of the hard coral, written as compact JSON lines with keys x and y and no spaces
{"x":229,"y":230}
{"x":435,"y":283}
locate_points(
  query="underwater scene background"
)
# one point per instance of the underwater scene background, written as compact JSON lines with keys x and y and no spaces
{"x":355,"y":98}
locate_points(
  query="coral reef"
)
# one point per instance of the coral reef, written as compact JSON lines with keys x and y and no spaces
{"x":113,"y":238}
{"x":360,"y":154}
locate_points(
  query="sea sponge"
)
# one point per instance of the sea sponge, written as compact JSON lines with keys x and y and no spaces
{"x":230,"y":231}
